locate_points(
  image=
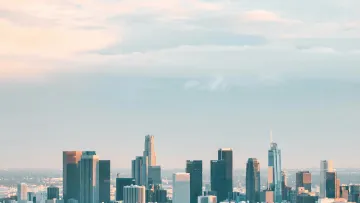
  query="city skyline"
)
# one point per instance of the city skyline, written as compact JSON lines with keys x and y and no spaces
{"x":219,"y":73}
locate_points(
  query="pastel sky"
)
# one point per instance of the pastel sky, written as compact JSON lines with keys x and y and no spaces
{"x":197,"y":74}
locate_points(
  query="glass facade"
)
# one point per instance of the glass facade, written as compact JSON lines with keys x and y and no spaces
{"x":274,"y":158}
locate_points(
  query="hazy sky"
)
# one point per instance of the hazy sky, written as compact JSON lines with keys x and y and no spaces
{"x":197,"y":74}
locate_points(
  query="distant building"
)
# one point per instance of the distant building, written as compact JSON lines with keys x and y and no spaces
{"x":52,"y":193}
{"x":344,"y":192}
{"x":267,"y":196}
{"x":274,"y":172}
{"x":325,"y":166}
{"x":134,"y":194}
{"x":89,"y":177}
{"x":218,"y":180}
{"x":138,"y":170}
{"x":303,"y":179}
{"x":226,"y":154}
{"x":154,"y":173}
{"x":31,"y":197}
{"x":207,"y":199}
{"x":331,"y":179}
{"x":71,"y":175}
{"x":238,"y":197}
{"x":104,"y":181}
{"x":194,"y":168}
{"x":354,"y":193}
{"x":22,"y":190}
{"x":253,"y":180}
{"x":181,"y":188}
{"x":120,"y":184}
{"x":156,"y":194}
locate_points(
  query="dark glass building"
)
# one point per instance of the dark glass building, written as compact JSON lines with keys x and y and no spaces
{"x":253,"y":180}
{"x":104,"y":181}
{"x":331,"y":185}
{"x":226,"y":154}
{"x":71,"y":175}
{"x":156,"y":194}
{"x":218,"y":179}
{"x":52,"y":193}
{"x":120,"y":184}
{"x":194,"y":168}
{"x":303,"y":179}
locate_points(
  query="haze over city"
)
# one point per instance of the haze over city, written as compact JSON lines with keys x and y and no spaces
{"x":199,"y":75}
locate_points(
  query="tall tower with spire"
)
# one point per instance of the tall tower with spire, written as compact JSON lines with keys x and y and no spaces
{"x":274,"y":170}
{"x":149,"y":159}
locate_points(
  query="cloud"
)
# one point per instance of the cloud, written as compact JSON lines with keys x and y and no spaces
{"x":188,"y":37}
{"x":265,"y":16}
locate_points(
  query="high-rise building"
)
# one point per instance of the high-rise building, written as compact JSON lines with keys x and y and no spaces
{"x":181,"y":188}
{"x":344,"y":192}
{"x":71,"y":175}
{"x":285,"y":188}
{"x":154,"y":173}
{"x":303,"y":179}
{"x":138,"y":170}
{"x":22,"y":191}
{"x":226,"y":154}
{"x":53,"y":193}
{"x":120,"y":184}
{"x":218,"y":179}
{"x":104,"y":181}
{"x":133,"y":165}
{"x":331,"y":185}
{"x":149,"y":150}
{"x":354,"y":193}
{"x":89,"y":177}
{"x":325,"y":166}
{"x":253,"y":180}
{"x":134,"y":194}
{"x":149,"y":159}
{"x":207,"y":199}
{"x":274,"y":164}
{"x":194,"y":168}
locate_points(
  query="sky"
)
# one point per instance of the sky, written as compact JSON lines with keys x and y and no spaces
{"x":197,"y":74}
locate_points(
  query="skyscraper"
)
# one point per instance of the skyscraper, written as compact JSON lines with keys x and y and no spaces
{"x":253,"y":180}
{"x":331,"y":184}
{"x":181,"y":188}
{"x":22,"y":191}
{"x":71,"y":175}
{"x":134,"y":194}
{"x":325,"y":166}
{"x":120,"y":184}
{"x":104,"y":181}
{"x":274,"y":163}
{"x":154,"y":173}
{"x":226,"y":154}
{"x":52,"y":193}
{"x":89,"y":177}
{"x":218,"y":179}
{"x":138,"y":169}
{"x":149,"y":149}
{"x":194,"y":168}
{"x":133,"y":165}
{"x":303,"y":179}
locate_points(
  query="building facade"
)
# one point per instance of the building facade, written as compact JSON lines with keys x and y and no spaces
{"x":274,"y":173}
{"x":253,"y":180}
{"x":89,"y":177}
{"x":120,"y":184}
{"x":207,"y":199}
{"x":181,"y":188}
{"x":194,"y":168}
{"x":218,"y":179}
{"x":325,"y":166}
{"x":52,"y":193}
{"x":226,"y":154}
{"x":134,"y":194}
{"x":22,"y":192}
{"x":303,"y":179}
{"x":71,"y":175}
{"x":104,"y":181}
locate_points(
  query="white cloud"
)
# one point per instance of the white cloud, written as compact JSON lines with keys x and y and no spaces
{"x":265,"y":16}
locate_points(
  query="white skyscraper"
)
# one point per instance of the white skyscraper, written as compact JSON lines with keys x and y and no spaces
{"x":89,"y":177}
{"x":134,"y":194}
{"x":22,"y":190}
{"x":149,"y":150}
{"x":325,"y":166}
{"x":207,"y":199}
{"x":181,"y":188}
